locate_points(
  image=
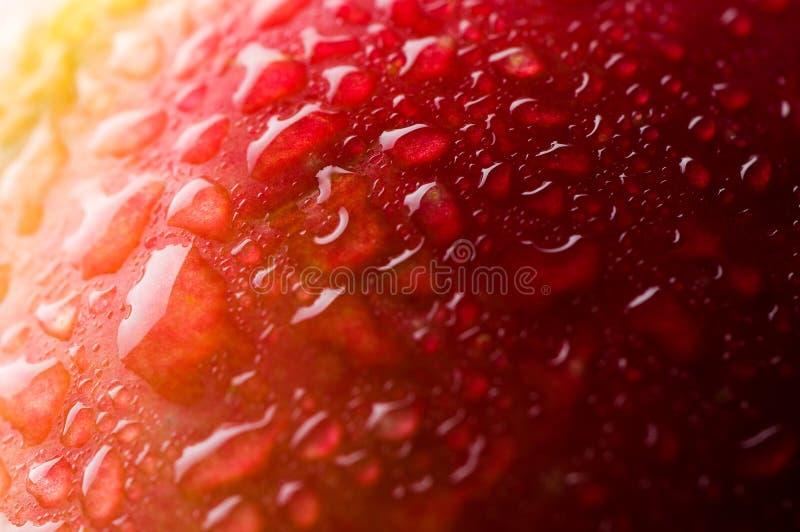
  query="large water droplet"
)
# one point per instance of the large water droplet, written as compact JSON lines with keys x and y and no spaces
{"x":177,"y":322}
{"x":230,"y":453}
{"x":102,"y":486}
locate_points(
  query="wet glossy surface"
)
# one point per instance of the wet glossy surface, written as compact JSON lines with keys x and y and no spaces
{"x":640,"y":156}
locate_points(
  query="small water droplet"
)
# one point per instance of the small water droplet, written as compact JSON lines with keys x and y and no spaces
{"x":59,"y":317}
{"x":112,"y":225}
{"x":195,"y":51}
{"x":79,"y":426}
{"x":269,"y":76}
{"x":203,"y":208}
{"x":200,"y":142}
{"x":516,"y":62}
{"x":415,"y":145}
{"x":136,"y":53}
{"x":301,"y":505}
{"x":128,"y":132}
{"x":50,"y":482}
{"x":318,"y":437}
{"x":395,"y":420}
{"x":230,"y":453}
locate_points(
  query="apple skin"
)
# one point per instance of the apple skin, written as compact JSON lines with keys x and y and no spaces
{"x":185,"y":186}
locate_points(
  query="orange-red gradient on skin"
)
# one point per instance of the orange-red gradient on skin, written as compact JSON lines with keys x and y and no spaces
{"x":157,"y":157}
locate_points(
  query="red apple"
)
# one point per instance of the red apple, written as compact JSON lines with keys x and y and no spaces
{"x":401,"y":265}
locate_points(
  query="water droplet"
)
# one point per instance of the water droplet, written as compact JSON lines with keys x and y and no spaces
{"x":519,"y":63}
{"x":323,"y":301}
{"x":768,"y":452}
{"x":704,"y":128}
{"x":535,"y":113}
{"x":756,"y":173}
{"x":341,"y":227}
{"x":59,"y":317}
{"x":268,"y":13}
{"x":136,"y":53}
{"x":643,"y":297}
{"x":50,"y":482}
{"x":659,"y":316}
{"x":203,"y":208}
{"x":301,"y":505}
{"x":79,"y":426}
{"x":415,"y":145}
{"x":128,"y":132}
{"x":289,"y":147}
{"x":319,"y":48}
{"x":318,"y":437}
{"x":31,"y":395}
{"x":200,"y":142}
{"x":396,"y":420}
{"x":112,"y":225}
{"x":413,"y":200}
{"x":471,"y":464}
{"x":221,"y":511}
{"x":349,"y":87}
{"x":496,"y":180}
{"x":732,"y":98}
{"x":247,"y":252}
{"x":438,"y":214}
{"x":569,"y":160}
{"x":428,"y":58}
{"x":697,"y":174}
{"x":102,"y":486}
{"x":191,"y":97}
{"x":193,"y":53}
{"x":100,"y":300}
{"x":14,"y":337}
{"x":178,"y":321}
{"x":738,"y":24}
{"x":269,"y":76}
{"x":230,"y":453}
{"x":324,"y":179}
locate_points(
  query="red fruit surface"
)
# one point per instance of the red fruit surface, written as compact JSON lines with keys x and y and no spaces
{"x":356,"y":265}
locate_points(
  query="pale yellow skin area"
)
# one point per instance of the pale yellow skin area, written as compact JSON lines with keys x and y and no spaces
{"x":61,"y":82}
{"x":42,"y":78}
{"x":67,"y":74}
